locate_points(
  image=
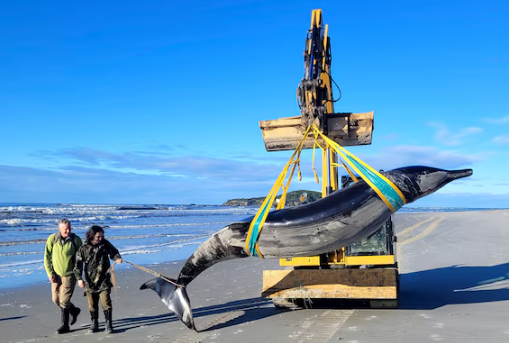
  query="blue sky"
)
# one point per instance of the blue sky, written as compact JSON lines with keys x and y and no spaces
{"x":159,"y":101}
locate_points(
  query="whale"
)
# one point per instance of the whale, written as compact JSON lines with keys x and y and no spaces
{"x":337,"y":220}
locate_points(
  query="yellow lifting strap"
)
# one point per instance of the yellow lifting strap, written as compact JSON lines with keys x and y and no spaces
{"x":388,"y":192}
{"x":259,"y":219}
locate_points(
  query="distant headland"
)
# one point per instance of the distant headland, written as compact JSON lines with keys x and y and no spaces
{"x":292,"y":199}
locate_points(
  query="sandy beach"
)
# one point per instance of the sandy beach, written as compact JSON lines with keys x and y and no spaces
{"x":454,"y":267}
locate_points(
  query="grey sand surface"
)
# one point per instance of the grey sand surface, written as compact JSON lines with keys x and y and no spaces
{"x":454,"y":266}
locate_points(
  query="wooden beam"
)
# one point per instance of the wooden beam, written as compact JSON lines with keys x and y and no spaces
{"x":331,"y":283}
{"x":347,"y":129}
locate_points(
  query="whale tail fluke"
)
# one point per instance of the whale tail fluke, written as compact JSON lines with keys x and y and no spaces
{"x":175,"y":297}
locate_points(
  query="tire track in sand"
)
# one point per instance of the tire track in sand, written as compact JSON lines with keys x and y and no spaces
{"x":413,"y":227}
{"x":321,"y":328}
{"x":429,"y":229}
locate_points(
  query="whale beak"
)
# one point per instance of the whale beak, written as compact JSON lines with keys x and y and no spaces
{"x":458,"y":174}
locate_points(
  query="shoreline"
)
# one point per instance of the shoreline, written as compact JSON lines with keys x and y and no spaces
{"x":119,"y":269}
{"x":37,"y":277}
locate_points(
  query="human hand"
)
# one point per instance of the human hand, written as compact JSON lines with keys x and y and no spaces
{"x":52,"y":279}
{"x":118,"y":261}
{"x":81,"y":283}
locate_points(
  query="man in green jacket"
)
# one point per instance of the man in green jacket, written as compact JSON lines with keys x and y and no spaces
{"x":59,"y":261}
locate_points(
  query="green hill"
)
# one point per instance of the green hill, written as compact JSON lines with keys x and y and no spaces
{"x":292,"y":199}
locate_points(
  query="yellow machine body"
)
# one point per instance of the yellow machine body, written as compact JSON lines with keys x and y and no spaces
{"x":336,"y":274}
{"x":345,"y":261}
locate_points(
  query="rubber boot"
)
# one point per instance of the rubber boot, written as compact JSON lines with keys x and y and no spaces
{"x":94,"y":324}
{"x":108,"y":324}
{"x":75,"y":312}
{"x":65,"y":321}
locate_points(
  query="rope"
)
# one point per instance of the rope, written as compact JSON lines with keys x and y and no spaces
{"x":259,"y":219}
{"x":112,"y":272}
{"x":159,"y":275}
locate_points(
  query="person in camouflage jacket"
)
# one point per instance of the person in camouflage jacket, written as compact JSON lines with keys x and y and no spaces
{"x":95,"y":256}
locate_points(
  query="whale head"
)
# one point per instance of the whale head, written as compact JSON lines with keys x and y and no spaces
{"x":416,"y":182}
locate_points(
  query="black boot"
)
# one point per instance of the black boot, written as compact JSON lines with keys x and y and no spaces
{"x":75,"y":311}
{"x":108,"y":324}
{"x":65,"y":321}
{"x":94,"y":325}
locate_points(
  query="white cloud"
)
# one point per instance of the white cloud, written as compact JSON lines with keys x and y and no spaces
{"x":446,"y":136}
{"x":92,"y":176}
{"x":94,"y":185}
{"x":171,"y":164}
{"x":504,"y":139}
{"x":407,"y":155}
{"x":20,"y":184}
{"x":497,"y":120}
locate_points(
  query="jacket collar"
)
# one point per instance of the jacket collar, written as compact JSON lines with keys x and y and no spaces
{"x":59,"y":237}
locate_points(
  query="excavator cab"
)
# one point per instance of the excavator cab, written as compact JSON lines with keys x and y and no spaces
{"x":380,"y":243}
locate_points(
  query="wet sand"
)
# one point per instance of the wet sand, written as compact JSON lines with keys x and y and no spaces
{"x":454,"y":288}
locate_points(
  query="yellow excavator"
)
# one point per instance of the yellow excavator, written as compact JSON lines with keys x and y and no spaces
{"x":366,"y":271}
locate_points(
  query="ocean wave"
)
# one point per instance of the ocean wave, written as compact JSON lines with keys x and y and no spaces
{"x":116,"y":227}
{"x":20,"y":263}
{"x":31,"y":241}
{"x":168,"y":244}
{"x":130,"y":251}
{"x":14,"y":222}
{"x":50,"y":217}
{"x":17,"y":253}
{"x":193,"y":239}
{"x":154,"y":229}
{"x":156,"y":235}
{"x":168,"y":235}
{"x":17,"y":212}
{"x":83,"y":208}
{"x":136,"y":252}
{"x":124,"y":252}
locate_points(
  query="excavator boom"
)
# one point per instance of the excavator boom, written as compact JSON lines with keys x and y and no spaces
{"x":316,"y":102}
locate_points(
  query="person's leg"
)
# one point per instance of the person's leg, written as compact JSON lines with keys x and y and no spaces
{"x":91,"y":302}
{"x":106,"y":299}
{"x":68,"y":285}
{"x":93,"y":307}
{"x":64,"y":318}
{"x":66,"y":290}
{"x":55,"y":290}
{"x":106,"y":304}
{"x":74,"y":311}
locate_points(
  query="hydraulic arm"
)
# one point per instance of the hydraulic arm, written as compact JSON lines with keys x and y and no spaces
{"x":316,"y":102}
